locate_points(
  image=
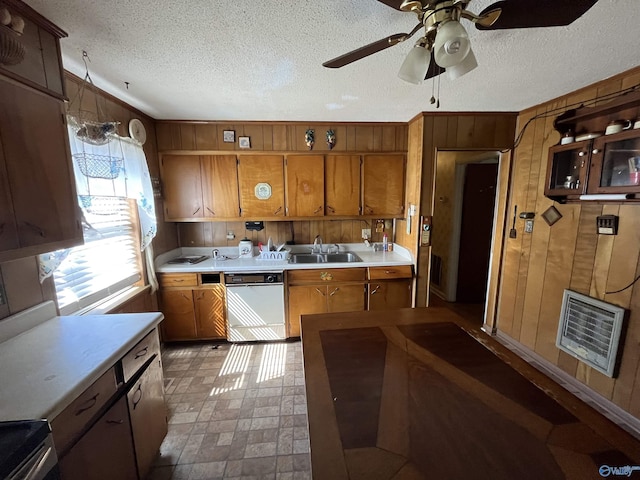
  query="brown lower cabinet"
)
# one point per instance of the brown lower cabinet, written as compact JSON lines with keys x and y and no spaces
{"x":192,"y":310}
{"x":114,"y":429}
{"x":105,"y":452}
{"x":386,"y":295}
{"x":146,"y":406}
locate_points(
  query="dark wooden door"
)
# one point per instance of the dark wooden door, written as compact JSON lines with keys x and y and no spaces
{"x":478,"y":202}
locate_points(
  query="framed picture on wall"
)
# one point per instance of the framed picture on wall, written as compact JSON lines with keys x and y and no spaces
{"x":229,"y":136}
{"x":244,"y":142}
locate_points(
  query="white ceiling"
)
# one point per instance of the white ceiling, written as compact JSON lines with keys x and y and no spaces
{"x":262,"y":59}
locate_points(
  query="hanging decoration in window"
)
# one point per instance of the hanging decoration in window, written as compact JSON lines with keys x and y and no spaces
{"x":92,"y":127}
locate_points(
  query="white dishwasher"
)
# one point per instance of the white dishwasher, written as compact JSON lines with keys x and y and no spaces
{"x":255,"y":306}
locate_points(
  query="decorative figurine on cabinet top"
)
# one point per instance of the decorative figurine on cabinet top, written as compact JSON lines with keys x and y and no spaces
{"x":331,"y":138}
{"x":309,"y":138}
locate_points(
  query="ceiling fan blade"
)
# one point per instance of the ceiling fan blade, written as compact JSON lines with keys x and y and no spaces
{"x":392,"y":3}
{"x":535,"y":13}
{"x":434,"y":69}
{"x":365,"y":51}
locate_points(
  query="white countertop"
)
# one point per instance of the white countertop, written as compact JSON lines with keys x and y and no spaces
{"x":370,"y":258}
{"x":45,"y":368}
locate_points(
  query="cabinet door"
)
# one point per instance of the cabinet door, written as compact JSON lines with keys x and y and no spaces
{"x":148,"y":416}
{"x":261,"y":179}
{"x":182,"y":188}
{"x":8,"y":229}
{"x":305,"y":185}
{"x":345,"y":298}
{"x":179,"y":316}
{"x":383,"y":185}
{"x":105,"y":452}
{"x":305,"y":300}
{"x":389,"y":295}
{"x":220,"y":186}
{"x":615,"y":166}
{"x":342,"y":185}
{"x":567,"y":169}
{"x":210,"y":319}
{"x":34,"y":141}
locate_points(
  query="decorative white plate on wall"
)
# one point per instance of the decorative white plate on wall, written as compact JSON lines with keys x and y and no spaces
{"x":263,"y":191}
{"x":137,"y":130}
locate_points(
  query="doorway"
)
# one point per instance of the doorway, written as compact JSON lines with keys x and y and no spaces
{"x":463,"y":226}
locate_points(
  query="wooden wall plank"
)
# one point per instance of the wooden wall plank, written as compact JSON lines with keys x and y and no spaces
{"x":388,"y":139}
{"x":255,"y":134}
{"x":586,"y":244}
{"x":206,"y":136}
{"x":279,"y":137}
{"x":267,"y":137}
{"x":602,"y":263}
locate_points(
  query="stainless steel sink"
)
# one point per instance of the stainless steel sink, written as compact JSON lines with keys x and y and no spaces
{"x":347,"y":257}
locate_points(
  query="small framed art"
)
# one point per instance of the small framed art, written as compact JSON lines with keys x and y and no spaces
{"x":244,"y":142}
{"x":229,"y":136}
{"x":551,"y":215}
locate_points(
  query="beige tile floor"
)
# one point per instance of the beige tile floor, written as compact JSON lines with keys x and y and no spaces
{"x":235,"y":411}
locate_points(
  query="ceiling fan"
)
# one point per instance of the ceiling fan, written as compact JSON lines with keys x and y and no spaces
{"x":444,"y":45}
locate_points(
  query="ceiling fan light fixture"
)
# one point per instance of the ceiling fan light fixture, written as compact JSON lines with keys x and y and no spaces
{"x":464,"y":67}
{"x":451,"y":45}
{"x":415,"y":65}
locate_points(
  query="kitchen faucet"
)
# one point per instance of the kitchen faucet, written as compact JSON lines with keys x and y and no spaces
{"x":317,"y":245}
{"x":334,"y":246}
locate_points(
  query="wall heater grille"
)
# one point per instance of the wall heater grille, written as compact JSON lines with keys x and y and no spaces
{"x":590,"y":330}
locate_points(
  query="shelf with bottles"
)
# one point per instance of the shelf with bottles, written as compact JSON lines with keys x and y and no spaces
{"x":567,"y":171}
{"x":615,"y":163}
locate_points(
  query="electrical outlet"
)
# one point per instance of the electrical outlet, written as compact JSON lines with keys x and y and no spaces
{"x":366,"y":233}
{"x":528,"y":226}
{"x":230,"y":235}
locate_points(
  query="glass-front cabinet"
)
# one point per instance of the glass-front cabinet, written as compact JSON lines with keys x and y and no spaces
{"x":567,"y":172}
{"x":615,"y":163}
{"x":608,"y":164}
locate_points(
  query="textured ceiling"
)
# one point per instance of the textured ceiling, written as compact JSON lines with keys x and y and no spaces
{"x":262,"y":60}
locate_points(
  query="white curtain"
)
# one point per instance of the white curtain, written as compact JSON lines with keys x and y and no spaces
{"x":118,"y":168}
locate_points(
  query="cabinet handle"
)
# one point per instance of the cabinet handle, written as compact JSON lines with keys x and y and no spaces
{"x":389,"y":272}
{"x":320,"y":292}
{"x":142,"y":352}
{"x":115,"y":422}
{"x":582,"y":154}
{"x":88,"y":405}
{"x":185,"y":296}
{"x":331,"y":209}
{"x":368,"y":208}
{"x":137,"y":393}
{"x":375,"y":290}
{"x":318,"y":209}
{"x":278,"y":210}
{"x":596,"y":151}
{"x":197,"y":210}
{"x":334,"y":292}
{"x":36,"y":228}
{"x":211,"y":211}
{"x":177,"y":280}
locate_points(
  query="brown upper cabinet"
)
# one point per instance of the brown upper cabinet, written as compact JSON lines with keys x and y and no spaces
{"x":305,"y":185}
{"x":40,"y":209}
{"x":200,"y":187}
{"x":342,"y":185}
{"x":261,"y":181}
{"x":383,"y":185}
{"x":41,"y":65}
{"x":38,"y":204}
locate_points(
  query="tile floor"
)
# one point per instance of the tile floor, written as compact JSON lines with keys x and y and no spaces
{"x":235,"y":411}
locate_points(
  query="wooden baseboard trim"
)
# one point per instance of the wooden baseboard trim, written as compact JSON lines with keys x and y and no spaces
{"x":603,"y":405}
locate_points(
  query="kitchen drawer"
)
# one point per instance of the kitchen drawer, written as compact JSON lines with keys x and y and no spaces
{"x":178,"y":279}
{"x":380,"y":273}
{"x":327,"y":275}
{"x":70,"y":422}
{"x":138,"y":355}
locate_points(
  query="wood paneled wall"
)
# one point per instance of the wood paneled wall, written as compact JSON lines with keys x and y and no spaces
{"x":537,"y":267}
{"x":19,"y":278}
{"x":428,"y":133}
{"x":207,"y":137}
{"x":301,"y":232}
{"x":281,"y":137}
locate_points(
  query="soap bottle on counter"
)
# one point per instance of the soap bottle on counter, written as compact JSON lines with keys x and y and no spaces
{"x":385,"y":243}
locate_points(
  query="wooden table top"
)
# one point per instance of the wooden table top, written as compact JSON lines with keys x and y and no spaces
{"x":419,"y":393}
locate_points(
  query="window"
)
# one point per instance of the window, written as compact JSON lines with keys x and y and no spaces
{"x":107,"y":262}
